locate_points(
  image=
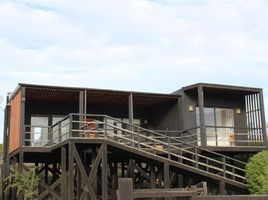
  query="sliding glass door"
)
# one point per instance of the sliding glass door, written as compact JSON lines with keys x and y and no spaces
{"x":219,"y":124}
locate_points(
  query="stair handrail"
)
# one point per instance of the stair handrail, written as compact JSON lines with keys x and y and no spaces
{"x":159,"y":134}
{"x":170,"y":143}
{"x":155,"y":141}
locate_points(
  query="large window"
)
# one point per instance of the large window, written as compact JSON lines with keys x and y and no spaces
{"x":39,"y":130}
{"x":219,"y":124}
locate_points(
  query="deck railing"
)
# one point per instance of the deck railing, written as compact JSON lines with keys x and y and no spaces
{"x":102,"y":126}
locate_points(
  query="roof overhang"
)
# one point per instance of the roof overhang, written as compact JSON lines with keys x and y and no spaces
{"x":45,"y":93}
{"x":223,"y":89}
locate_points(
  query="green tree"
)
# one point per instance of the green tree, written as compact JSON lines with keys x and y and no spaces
{"x":25,"y":183}
{"x":257,"y":173}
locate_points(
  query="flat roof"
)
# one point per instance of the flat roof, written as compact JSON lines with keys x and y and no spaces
{"x":206,"y":86}
{"x":221,"y":88}
{"x":39,"y":93}
{"x":96,"y":90}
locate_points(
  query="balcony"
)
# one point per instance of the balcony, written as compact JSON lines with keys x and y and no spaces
{"x":99,"y":126}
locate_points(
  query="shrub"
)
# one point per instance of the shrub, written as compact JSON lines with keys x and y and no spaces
{"x":257,"y":173}
{"x":26,"y":184}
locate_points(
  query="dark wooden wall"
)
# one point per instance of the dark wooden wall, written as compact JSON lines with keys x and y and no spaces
{"x":213,"y":100}
{"x":165,"y":116}
{"x":49,"y":109}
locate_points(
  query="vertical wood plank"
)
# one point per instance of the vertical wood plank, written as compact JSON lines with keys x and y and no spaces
{"x":63,"y":173}
{"x":104,"y":173}
{"x":70,"y":171}
{"x":125,"y":189}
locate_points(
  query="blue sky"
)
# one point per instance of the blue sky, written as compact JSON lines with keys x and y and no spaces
{"x":156,"y":46}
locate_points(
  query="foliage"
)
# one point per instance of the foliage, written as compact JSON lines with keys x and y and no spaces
{"x":257,"y":173}
{"x":1,"y":149}
{"x":25,"y":183}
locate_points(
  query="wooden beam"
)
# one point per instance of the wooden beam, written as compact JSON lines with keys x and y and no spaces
{"x":71,"y":171}
{"x":201,"y":103}
{"x":263,"y":119}
{"x":21,"y":158}
{"x":22,"y":117}
{"x":130,"y":169}
{"x":157,"y":193}
{"x":222,"y":188}
{"x":6,"y":138}
{"x":46,"y":192}
{"x":130,"y":108}
{"x":166,"y":176}
{"x":93,"y":171}
{"x":153,"y":179}
{"x":104,"y":168}
{"x":143,"y":173}
{"x":125,"y":189}
{"x":43,"y":184}
{"x":50,"y":190}
{"x":84,"y":175}
{"x":63,"y":173}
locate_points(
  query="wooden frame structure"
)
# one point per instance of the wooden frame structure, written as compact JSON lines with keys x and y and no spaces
{"x":79,"y":163}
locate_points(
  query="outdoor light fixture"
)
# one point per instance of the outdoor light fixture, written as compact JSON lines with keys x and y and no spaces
{"x":238,"y":111}
{"x":191,"y":108}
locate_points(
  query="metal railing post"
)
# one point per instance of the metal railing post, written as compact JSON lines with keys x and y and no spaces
{"x":196,"y":157}
{"x":71,"y":126}
{"x":132,"y":136}
{"x":50,"y":136}
{"x":154,"y":146}
{"x":224,"y":166}
{"x":169,"y":151}
{"x":59,"y":131}
{"x":139,"y":139}
{"x":105,"y":126}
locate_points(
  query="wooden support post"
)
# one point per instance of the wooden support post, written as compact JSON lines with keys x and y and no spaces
{"x":131,"y":115}
{"x":180,"y":177}
{"x":153,"y":179}
{"x":104,"y":173}
{"x":166,"y":176}
{"x":63,"y":173}
{"x":5,"y":140}
{"x":78,"y":184}
{"x":22,"y":117}
{"x":131,"y":168}
{"x":203,"y":134}
{"x":125,"y":189}
{"x":160,"y":177}
{"x":46,"y":173}
{"x":70,"y":172}
{"x":263,"y":120}
{"x":130,"y":108}
{"x":87,"y":180}
{"x":222,"y":188}
{"x":93,"y":158}
{"x":115,"y":176}
{"x":21,"y":158}
{"x":122,"y":170}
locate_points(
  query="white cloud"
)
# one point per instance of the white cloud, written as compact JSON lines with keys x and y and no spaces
{"x":154,"y":46}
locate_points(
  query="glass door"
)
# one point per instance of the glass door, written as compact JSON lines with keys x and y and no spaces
{"x":39,"y":130}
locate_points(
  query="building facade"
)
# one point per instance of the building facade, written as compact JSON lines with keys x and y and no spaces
{"x":85,"y":139}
